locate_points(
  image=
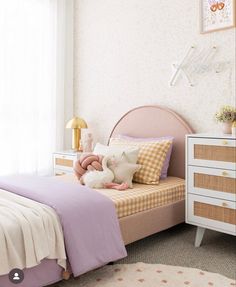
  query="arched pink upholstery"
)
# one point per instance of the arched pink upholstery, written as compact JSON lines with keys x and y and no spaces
{"x":155,"y":121}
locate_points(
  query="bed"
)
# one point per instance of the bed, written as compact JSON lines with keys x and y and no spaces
{"x":135,"y":221}
{"x":151,"y":122}
{"x":143,"y":203}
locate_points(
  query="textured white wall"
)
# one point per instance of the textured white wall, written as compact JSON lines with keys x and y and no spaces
{"x":123,"y":55}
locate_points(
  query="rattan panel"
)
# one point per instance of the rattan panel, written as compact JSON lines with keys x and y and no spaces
{"x":214,"y":212}
{"x":218,"y":153}
{"x":214,"y":182}
{"x":64,"y":162}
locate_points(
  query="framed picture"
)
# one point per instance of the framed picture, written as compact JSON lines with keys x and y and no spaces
{"x":217,"y":15}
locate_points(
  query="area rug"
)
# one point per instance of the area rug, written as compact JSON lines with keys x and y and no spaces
{"x":151,"y":275}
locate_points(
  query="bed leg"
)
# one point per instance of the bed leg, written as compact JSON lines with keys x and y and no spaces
{"x":66,"y":274}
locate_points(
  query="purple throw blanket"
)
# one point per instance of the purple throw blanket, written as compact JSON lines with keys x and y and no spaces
{"x":90,"y":224}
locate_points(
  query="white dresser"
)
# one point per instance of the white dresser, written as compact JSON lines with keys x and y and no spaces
{"x":211,"y":183}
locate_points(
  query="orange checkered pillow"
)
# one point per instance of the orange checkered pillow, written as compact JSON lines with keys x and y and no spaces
{"x":151,"y":156}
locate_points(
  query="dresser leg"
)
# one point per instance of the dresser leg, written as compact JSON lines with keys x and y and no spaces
{"x":199,"y":236}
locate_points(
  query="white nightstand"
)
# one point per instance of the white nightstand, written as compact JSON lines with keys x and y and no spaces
{"x":211,"y":183}
{"x":63,"y":162}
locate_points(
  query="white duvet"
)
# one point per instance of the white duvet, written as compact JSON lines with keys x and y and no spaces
{"x":29,"y":232}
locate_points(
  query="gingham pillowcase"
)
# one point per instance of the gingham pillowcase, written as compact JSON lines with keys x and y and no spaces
{"x":151,"y":156}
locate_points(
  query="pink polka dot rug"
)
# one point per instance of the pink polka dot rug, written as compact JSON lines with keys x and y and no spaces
{"x":152,"y":275}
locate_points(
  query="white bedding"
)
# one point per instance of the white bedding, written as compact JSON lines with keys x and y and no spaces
{"x":29,"y":232}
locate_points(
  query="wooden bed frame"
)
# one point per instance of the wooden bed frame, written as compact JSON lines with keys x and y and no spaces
{"x":145,"y":121}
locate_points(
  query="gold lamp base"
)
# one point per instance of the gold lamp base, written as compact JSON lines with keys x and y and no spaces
{"x":76,"y":135}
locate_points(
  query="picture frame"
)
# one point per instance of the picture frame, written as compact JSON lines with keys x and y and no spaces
{"x":216,"y":15}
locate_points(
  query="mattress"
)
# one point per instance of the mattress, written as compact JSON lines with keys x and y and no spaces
{"x":143,"y":197}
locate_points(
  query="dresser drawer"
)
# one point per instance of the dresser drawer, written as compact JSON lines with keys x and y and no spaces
{"x":212,"y":213}
{"x":219,"y":153}
{"x":64,"y":162}
{"x":212,"y":182}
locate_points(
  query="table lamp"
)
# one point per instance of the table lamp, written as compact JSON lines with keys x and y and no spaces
{"x":76,"y":124}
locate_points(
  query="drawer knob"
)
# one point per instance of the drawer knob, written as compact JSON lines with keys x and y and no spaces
{"x":224,"y":142}
{"x":224,"y":204}
{"x":225,"y":173}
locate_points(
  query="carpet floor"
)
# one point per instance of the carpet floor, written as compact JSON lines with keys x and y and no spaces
{"x":175,"y":246}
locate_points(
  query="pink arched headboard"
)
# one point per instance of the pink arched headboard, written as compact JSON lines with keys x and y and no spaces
{"x":155,"y":121}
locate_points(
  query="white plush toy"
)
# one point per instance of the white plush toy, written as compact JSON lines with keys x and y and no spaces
{"x":98,"y":179}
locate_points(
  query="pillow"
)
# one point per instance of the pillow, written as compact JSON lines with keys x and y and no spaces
{"x":122,"y":169}
{"x":168,"y":155}
{"x":131,"y":153}
{"x":151,"y":156}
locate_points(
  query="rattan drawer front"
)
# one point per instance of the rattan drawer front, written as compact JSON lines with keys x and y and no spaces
{"x":212,"y":153}
{"x":212,"y":182}
{"x":212,"y":213}
{"x":217,"y":153}
{"x":64,"y":162}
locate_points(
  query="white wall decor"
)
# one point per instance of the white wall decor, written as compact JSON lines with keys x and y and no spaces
{"x":180,"y":68}
{"x":197,"y":62}
{"x":217,"y":15}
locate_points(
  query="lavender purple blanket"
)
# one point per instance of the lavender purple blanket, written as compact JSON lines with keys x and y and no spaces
{"x":90,"y":225}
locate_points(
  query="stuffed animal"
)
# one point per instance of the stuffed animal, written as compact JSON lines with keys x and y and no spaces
{"x":87,"y":162}
{"x":98,"y":179}
{"x":89,"y":171}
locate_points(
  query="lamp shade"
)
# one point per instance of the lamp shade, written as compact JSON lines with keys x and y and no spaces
{"x":76,"y":123}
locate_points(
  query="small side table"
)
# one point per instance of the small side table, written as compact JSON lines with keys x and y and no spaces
{"x":63,"y":162}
